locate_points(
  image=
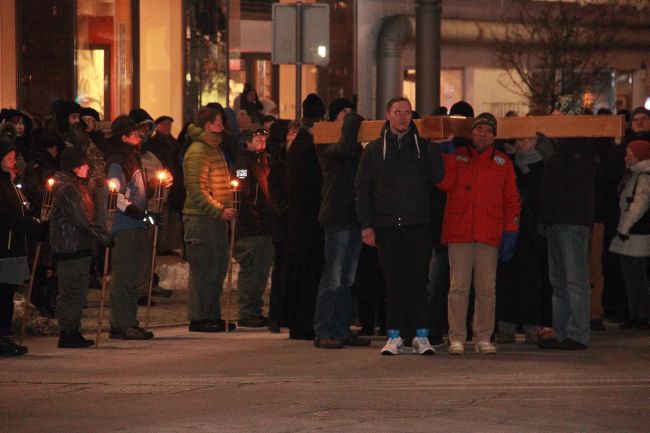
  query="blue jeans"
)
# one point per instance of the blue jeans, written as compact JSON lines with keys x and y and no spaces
{"x":568,"y":269}
{"x":334,"y":302}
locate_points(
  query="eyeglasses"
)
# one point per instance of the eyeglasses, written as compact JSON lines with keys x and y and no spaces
{"x":262,"y":131}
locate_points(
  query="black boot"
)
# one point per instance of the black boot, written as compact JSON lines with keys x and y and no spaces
{"x":73,"y":340}
{"x":8,"y":347}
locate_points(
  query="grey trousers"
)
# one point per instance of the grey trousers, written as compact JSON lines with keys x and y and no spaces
{"x":255,"y":257}
{"x":130,"y":267}
{"x":206,"y":247}
{"x":73,"y":276}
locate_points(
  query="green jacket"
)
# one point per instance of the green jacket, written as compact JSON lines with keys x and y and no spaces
{"x":207,"y":179}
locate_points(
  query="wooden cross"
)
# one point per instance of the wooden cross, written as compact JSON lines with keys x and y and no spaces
{"x":440,"y":127}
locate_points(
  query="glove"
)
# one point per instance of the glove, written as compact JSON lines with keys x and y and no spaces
{"x":622,"y":236}
{"x":152,"y":218}
{"x":133,"y":211}
{"x":507,"y":247}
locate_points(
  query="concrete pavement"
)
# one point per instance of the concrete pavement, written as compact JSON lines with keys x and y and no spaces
{"x":254,"y":381}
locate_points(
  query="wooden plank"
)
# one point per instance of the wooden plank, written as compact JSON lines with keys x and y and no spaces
{"x":440,"y":127}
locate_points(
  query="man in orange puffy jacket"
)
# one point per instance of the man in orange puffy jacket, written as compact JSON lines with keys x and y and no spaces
{"x":480,"y":226}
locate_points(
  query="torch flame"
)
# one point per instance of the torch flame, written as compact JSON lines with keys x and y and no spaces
{"x":50,"y":183}
{"x":234,"y":184}
{"x":161,"y":175}
{"x":112,"y":185}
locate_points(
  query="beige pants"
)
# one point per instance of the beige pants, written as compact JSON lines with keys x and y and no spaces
{"x":481,"y":261}
{"x":596,"y":277}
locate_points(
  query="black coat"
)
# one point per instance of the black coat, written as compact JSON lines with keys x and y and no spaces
{"x":15,"y":219}
{"x":338,"y":163}
{"x":255,"y":211}
{"x":41,"y":167}
{"x":72,"y":230}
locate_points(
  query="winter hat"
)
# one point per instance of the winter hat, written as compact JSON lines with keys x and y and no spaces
{"x":140,"y":115}
{"x":338,"y":105}
{"x":122,"y":125}
{"x":461,"y":108}
{"x":73,"y":157}
{"x":313,"y":107}
{"x":570,"y":105}
{"x":9,"y":113}
{"x":163,"y":119}
{"x":6,"y":146}
{"x":640,"y":149}
{"x":89,"y":111}
{"x":641,"y":110}
{"x":255,"y":129}
{"x":486,"y":119}
{"x":44,"y":139}
{"x":62,"y":109}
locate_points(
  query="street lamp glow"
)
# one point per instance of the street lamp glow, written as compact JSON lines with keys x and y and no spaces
{"x":322,"y":51}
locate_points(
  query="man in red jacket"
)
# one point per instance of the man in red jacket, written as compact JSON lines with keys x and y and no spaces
{"x":480,"y":226}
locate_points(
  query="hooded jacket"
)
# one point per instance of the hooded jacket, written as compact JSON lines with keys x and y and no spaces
{"x":207,"y":179}
{"x":255,"y":212}
{"x":72,"y":230}
{"x":395,"y":178}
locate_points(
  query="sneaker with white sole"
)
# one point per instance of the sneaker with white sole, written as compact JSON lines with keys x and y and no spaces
{"x":485,"y":347}
{"x":394,"y":345}
{"x":421,"y":344}
{"x":456,"y":348}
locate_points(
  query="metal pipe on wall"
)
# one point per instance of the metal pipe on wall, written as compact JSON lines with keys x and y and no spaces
{"x":427,"y":55}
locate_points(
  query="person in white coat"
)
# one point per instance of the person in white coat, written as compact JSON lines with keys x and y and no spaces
{"x":633,"y":240}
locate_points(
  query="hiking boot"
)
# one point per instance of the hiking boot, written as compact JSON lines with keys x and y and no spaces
{"x":485,"y":347}
{"x":355,"y":340}
{"x":73,"y":340}
{"x":205,"y":326}
{"x":131,"y":333}
{"x":253,"y":322}
{"x":8,"y":347}
{"x":394,"y":345}
{"x":328,"y":343}
{"x":456,"y":348}
{"x":571,"y":344}
{"x":420,"y":343}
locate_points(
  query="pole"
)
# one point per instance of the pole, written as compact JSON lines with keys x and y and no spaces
{"x":111,"y":205}
{"x":298,"y":60}
{"x":234,"y":187}
{"x":46,"y":210}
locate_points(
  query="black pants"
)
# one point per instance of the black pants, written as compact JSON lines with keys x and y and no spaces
{"x":370,"y":290}
{"x":6,"y":308}
{"x":278,"y":306}
{"x":405,"y":253}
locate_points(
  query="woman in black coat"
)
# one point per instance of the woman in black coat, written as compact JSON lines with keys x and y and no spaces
{"x":14,"y":217}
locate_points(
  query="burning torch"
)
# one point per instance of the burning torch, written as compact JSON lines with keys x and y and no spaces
{"x":111,"y":206}
{"x":234,"y":189}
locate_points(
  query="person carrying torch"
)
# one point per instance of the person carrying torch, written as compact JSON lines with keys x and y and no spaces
{"x":208,"y":208}
{"x":73,"y":234}
{"x":131,"y":258}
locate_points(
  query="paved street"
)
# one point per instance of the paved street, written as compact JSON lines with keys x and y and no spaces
{"x":254,"y":381}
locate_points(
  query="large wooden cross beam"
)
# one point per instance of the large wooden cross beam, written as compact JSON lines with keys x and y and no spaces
{"x":440,"y":127}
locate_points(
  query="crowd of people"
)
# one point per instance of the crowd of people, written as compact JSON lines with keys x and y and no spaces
{"x":471,"y":237}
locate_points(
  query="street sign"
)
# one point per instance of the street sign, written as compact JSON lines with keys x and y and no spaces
{"x":301,"y":33}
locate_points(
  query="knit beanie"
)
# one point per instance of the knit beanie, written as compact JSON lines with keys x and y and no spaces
{"x":570,"y":105}
{"x":122,"y":125}
{"x":313,"y":107}
{"x":486,"y":119}
{"x":89,"y":111}
{"x":140,"y":115}
{"x":461,"y":108}
{"x":338,"y":105}
{"x":641,"y":110}
{"x":62,"y":109}
{"x":73,"y":157}
{"x":6,"y":147}
{"x":640,"y":149}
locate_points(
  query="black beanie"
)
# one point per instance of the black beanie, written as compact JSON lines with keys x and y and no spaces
{"x":44,"y":139}
{"x":62,"y":109}
{"x":6,"y":147}
{"x":338,"y":105}
{"x":461,"y":108}
{"x":140,"y":115}
{"x":73,"y":157}
{"x":313,"y":107}
{"x":486,"y":119}
{"x":88,"y":111}
{"x":122,"y":125}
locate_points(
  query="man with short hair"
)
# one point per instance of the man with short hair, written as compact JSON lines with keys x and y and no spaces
{"x":480,"y":226}
{"x":393,"y":191}
{"x":208,"y":208}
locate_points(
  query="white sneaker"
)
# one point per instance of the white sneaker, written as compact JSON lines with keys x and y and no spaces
{"x":394,"y":346}
{"x":456,"y":348}
{"x":421,"y":346}
{"x":485,"y":347}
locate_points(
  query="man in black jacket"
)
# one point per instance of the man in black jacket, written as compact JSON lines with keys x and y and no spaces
{"x":342,"y":246}
{"x":393,"y":185}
